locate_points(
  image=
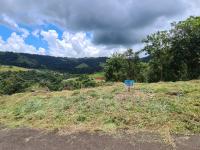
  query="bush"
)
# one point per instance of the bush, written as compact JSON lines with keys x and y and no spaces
{"x":71,"y":84}
{"x":15,"y":82}
{"x":83,"y":81}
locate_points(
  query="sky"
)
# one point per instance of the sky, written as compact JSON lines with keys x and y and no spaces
{"x":86,"y":28}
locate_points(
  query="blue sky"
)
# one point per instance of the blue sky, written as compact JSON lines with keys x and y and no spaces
{"x":36,"y":41}
{"x":5,"y":32}
{"x":88,"y":28}
{"x":47,"y":39}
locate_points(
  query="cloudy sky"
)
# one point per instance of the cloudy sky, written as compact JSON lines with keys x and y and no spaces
{"x":85,"y":28}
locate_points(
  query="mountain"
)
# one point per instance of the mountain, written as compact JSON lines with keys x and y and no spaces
{"x":61,"y":64}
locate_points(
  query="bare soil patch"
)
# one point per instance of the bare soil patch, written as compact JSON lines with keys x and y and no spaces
{"x":29,"y":139}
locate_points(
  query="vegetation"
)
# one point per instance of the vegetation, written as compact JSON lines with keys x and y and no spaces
{"x":68,"y":65}
{"x":14,"y":82}
{"x":174,"y":55}
{"x":82,"y":81}
{"x":97,"y":75}
{"x":33,"y":80}
{"x":153,"y":107}
{"x":173,"y":106}
{"x":125,"y":66}
{"x":4,"y":68}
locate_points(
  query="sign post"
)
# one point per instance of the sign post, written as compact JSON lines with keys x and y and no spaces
{"x":129,"y":84}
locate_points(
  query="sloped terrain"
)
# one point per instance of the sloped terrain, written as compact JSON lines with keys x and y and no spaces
{"x":172,"y":107}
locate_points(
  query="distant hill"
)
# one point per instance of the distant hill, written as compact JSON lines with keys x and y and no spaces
{"x":71,"y":65}
{"x":61,"y":64}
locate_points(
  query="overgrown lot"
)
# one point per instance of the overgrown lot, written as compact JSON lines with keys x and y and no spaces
{"x":172,"y":106}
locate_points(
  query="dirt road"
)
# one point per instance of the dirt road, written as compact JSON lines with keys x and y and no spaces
{"x":29,"y":139}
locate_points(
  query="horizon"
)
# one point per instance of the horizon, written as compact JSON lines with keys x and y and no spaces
{"x":63,"y":56}
{"x":54,"y":56}
{"x":77,"y":30}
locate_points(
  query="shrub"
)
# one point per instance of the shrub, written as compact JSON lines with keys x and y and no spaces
{"x":83,"y":81}
{"x":15,"y":82}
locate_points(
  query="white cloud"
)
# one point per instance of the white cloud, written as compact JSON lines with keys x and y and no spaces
{"x":125,"y":26}
{"x":11,"y":23}
{"x":71,"y":45}
{"x":41,"y":51}
{"x":36,"y":33}
{"x":16,"y":43}
{"x":112,"y":22}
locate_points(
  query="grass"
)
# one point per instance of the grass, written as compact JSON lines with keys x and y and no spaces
{"x":149,"y":107}
{"x":97,"y":75}
{"x":4,"y":68}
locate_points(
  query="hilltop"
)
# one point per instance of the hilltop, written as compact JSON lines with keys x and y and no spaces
{"x":61,"y":64}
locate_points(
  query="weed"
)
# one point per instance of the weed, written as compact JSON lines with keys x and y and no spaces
{"x":173,"y":104}
{"x":81,"y":118}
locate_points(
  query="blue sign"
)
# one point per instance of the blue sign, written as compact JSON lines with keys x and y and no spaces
{"x":129,"y":82}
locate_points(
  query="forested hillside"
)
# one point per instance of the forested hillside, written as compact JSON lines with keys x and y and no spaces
{"x":70,"y":65}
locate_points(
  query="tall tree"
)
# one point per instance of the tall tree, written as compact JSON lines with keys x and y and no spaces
{"x":175,"y":54}
{"x":115,"y":68}
{"x":185,"y":41}
{"x":123,"y":66}
{"x":132,"y":60}
{"x":157,"y":46}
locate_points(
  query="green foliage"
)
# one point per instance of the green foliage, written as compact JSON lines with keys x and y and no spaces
{"x":15,"y":82}
{"x":149,"y":107}
{"x":12,"y":84}
{"x":115,"y":68}
{"x":4,"y":68}
{"x":175,"y":54}
{"x":97,"y":75}
{"x":125,"y":66}
{"x":31,"y":80}
{"x":83,"y":81}
{"x":71,"y":84}
{"x":82,"y":66}
{"x":69,"y":65}
{"x":157,"y":46}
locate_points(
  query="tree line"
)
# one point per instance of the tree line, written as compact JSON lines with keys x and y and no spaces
{"x":173,"y":55}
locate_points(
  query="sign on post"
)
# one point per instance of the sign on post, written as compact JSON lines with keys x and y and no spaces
{"x":129,"y":84}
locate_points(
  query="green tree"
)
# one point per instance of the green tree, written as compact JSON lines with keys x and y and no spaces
{"x":185,"y":49}
{"x":157,"y":46}
{"x":130,"y":56}
{"x":175,"y":54}
{"x":124,"y":66}
{"x":115,"y":68}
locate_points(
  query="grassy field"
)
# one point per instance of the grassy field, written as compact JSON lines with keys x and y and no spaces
{"x":157,"y":107}
{"x":11,"y":68}
{"x":97,"y":75}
